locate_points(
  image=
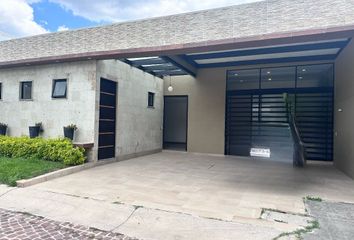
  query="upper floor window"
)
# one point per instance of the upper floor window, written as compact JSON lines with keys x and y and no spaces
{"x":26,"y":90}
{"x":151,"y":99}
{"x":59,"y":88}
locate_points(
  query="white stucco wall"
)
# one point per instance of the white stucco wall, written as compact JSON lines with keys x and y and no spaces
{"x":78,"y":108}
{"x":138,"y":128}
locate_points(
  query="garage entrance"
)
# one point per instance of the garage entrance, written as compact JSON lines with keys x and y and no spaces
{"x":257,"y":115}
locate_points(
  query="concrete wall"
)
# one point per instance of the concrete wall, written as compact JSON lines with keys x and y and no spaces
{"x":77,"y":108}
{"x":139,"y":128}
{"x":344,"y":99}
{"x":206,"y":110}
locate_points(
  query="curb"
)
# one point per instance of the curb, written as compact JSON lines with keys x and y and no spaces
{"x":66,"y":171}
{"x":52,"y":175}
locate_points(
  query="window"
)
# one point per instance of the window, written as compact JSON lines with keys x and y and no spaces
{"x":59,"y":88}
{"x":281,"y":77}
{"x":26,"y":90}
{"x":243,"y":79}
{"x":0,"y":90}
{"x":151,"y":99}
{"x":320,"y":75}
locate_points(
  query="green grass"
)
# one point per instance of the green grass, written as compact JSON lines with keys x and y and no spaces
{"x":300,"y":232}
{"x":13,"y":169}
{"x":311,"y":198}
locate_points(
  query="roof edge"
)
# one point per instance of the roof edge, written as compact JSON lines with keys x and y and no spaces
{"x":215,"y":45}
{"x":133,"y":21}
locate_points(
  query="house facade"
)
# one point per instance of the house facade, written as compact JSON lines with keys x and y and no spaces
{"x":137,"y":129}
{"x":219,"y":81}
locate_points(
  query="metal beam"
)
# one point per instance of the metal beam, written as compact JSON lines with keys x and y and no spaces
{"x":349,"y":40}
{"x":181,"y":64}
{"x":161,"y":67}
{"x":271,"y":50}
{"x":189,"y":60}
{"x":267,"y":61}
{"x":170,"y":73}
{"x":138,"y":67}
{"x":147,"y":61}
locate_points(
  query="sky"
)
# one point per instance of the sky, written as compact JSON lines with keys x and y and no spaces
{"x":21,"y":18}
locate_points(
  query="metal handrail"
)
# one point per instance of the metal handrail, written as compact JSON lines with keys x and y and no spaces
{"x":299,"y":155}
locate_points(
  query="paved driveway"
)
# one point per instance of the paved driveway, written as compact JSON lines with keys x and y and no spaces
{"x":226,"y":188}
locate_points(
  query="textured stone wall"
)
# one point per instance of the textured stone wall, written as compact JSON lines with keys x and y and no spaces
{"x":241,"y":21}
{"x":139,"y":128}
{"x":78,"y":108}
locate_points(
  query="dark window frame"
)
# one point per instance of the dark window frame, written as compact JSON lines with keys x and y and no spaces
{"x":55,"y":81}
{"x":151,"y":99}
{"x":0,"y":90}
{"x":22,"y":83}
{"x":260,"y":68}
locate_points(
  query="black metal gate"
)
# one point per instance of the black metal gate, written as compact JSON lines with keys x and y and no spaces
{"x":314,"y":118}
{"x":255,"y":120}
{"x":256,"y":113}
{"x":107,"y":119}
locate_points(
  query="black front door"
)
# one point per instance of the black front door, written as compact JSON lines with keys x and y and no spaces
{"x":175,"y":122}
{"x":107,"y":119}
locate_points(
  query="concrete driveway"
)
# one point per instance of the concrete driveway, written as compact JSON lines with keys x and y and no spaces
{"x":172,"y":195}
{"x":218,"y":187}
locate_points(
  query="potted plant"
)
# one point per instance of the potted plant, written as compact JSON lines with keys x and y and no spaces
{"x":69,"y":131}
{"x":35,"y":130}
{"x":3,"y":128}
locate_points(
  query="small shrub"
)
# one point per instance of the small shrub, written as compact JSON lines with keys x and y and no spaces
{"x":56,"y":150}
{"x":72,"y":126}
{"x":40,"y":125}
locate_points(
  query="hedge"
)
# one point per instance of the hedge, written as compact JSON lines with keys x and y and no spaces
{"x":56,"y":150}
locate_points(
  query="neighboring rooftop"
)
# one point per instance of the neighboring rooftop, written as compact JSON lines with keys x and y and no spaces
{"x":240,"y":23}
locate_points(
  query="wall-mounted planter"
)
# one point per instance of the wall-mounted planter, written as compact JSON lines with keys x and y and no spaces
{"x":69,"y":133}
{"x":3,"y":130}
{"x":34,"y":131}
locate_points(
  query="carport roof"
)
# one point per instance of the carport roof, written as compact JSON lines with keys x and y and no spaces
{"x":158,"y":66}
{"x":232,"y":27}
{"x":304,"y":51}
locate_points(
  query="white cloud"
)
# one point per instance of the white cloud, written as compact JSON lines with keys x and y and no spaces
{"x":62,"y":28}
{"x":16,"y":19}
{"x":114,"y":10}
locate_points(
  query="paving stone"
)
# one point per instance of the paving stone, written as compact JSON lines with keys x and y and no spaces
{"x":15,"y":225}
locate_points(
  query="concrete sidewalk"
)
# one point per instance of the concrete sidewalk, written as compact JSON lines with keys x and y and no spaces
{"x":134,"y":221}
{"x":336,"y":220}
